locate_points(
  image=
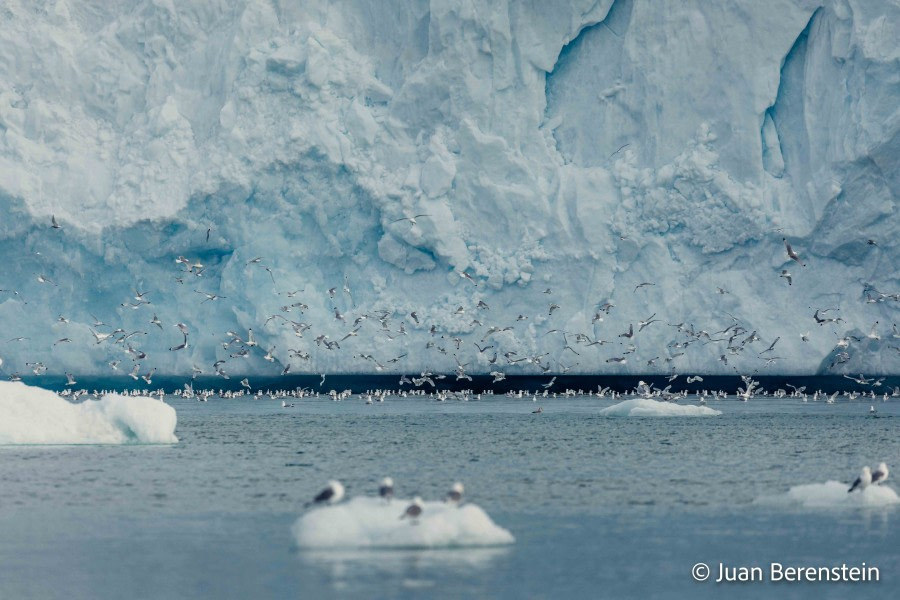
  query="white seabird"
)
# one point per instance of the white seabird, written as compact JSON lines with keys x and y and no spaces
{"x":454,"y":496}
{"x":880,"y":474}
{"x":386,"y":489}
{"x":414,"y":510}
{"x":332,"y":494}
{"x":863,"y":481}
{"x":790,"y":252}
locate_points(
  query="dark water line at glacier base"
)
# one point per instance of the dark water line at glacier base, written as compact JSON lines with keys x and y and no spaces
{"x":359,"y":383}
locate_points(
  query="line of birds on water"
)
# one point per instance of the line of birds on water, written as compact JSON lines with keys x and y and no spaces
{"x":737,"y":337}
{"x":369,"y":397}
{"x":334,"y":491}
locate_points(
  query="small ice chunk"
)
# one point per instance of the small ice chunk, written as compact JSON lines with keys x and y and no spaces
{"x":833,"y":494}
{"x":645,"y":407}
{"x":374,"y":523}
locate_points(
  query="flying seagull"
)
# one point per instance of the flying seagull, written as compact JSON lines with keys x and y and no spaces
{"x":412,"y":220}
{"x":791,"y":253}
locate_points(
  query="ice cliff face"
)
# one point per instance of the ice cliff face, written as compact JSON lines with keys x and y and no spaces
{"x":586,"y":148}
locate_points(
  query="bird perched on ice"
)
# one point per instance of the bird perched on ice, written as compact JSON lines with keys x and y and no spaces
{"x":386,"y":489}
{"x":454,"y":496}
{"x":332,"y":494}
{"x":414,"y":510}
{"x":880,"y":474}
{"x":863,"y":481}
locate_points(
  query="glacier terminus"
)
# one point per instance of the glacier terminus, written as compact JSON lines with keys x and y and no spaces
{"x":288,"y":168}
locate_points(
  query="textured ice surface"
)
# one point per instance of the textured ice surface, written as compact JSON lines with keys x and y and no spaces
{"x":645,"y":407}
{"x":583,"y":146}
{"x":374,"y":523}
{"x":30,"y":415}
{"x":833,"y":494}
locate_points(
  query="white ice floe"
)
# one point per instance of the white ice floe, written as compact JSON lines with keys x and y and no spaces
{"x":374,"y":523}
{"x":31,"y":415}
{"x":645,"y":407}
{"x":833,"y":494}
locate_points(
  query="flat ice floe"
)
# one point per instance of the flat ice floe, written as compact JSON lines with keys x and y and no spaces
{"x":374,"y":523}
{"x":31,"y":415}
{"x":833,"y":494}
{"x":646,"y":407}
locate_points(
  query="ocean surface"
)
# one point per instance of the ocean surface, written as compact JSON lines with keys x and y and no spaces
{"x":601,"y":507}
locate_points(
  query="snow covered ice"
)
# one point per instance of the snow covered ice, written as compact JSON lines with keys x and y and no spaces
{"x":30,"y":415}
{"x":645,"y":407}
{"x":374,"y":523}
{"x":586,"y":147}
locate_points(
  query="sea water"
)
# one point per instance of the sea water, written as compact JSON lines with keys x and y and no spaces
{"x":599,"y":506}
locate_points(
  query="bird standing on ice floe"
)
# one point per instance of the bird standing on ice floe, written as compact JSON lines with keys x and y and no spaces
{"x":414,"y":510}
{"x":880,"y":474}
{"x":386,"y":489}
{"x":454,"y":496}
{"x":332,"y":494}
{"x":863,"y":481}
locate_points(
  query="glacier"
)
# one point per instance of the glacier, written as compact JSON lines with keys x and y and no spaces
{"x":585,"y":148}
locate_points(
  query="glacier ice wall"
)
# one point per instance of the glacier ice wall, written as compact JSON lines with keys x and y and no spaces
{"x":585,"y":148}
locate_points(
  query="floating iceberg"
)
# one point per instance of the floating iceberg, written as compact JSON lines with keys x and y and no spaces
{"x":31,"y":415}
{"x":645,"y":407}
{"x":374,"y":523}
{"x":833,"y":494}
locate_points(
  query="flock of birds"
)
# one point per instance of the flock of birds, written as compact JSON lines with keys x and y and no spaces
{"x":496,"y":342}
{"x":288,"y":397}
{"x":497,"y":346}
{"x":334,"y":493}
